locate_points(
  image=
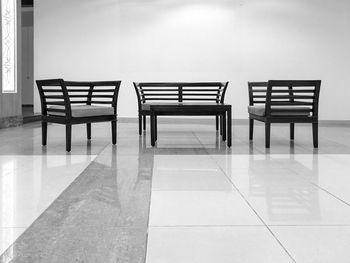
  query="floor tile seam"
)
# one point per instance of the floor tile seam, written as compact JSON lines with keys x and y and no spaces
{"x":251,"y":207}
{"x":205,"y":226}
{"x":195,"y":191}
{"x":264,"y":226}
{"x":306,"y":225}
{"x":256,"y":213}
{"x":233,"y":190}
{"x":149,"y":211}
{"x":329,"y":193}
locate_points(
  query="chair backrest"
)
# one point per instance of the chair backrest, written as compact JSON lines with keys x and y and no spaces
{"x":57,"y":92}
{"x":290,"y":96}
{"x":180,"y":91}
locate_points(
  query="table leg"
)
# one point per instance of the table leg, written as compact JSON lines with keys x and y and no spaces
{"x":152,"y":128}
{"x":224,"y":127}
{"x":229,"y":127}
{"x":155,"y":128}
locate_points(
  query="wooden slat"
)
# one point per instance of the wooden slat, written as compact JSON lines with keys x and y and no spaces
{"x":54,"y":97}
{"x":78,"y":101}
{"x":147,"y":90}
{"x":259,"y":90}
{"x":200,"y":94}
{"x":180,"y":84}
{"x":200,"y":99}
{"x":216,"y":90}
{"x":292,"y":97}
{"x":103,"y":90}
{"x":160,"y":94}
{"x":56,"y":110}
{"x":161,"y":98}
{"x":52,"y":90}
{"x":101,"y":102}
{"x":102,"y":96}
{"x":290,"y":110}
{"x":55,"y":103}
{"x":294,"y":91}
{"x":78,"y":90}
{"x":291,"y":103}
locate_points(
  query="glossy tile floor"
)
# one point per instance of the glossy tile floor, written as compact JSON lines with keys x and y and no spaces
{"x":190,"y":199}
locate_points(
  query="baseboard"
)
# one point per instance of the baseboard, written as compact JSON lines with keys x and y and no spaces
{"x":211,"y":120}
{"x":8,"y":122}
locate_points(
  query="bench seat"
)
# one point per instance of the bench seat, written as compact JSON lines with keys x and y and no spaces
{"x":79,"y":111}
{"x":147,"y":106}
{"x":259,"y":110}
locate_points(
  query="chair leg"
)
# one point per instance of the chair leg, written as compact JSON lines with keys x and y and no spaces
{"x":155,"y":127}
{"x":251,"y":129}
{"x":221,"y":124}
{"x":114,"y":132}
{"x":217,"y":122}
{"x":229,"y":127}
{"x":292,"y":126}
{"x":88,"y":131}
{"x":140,"y":124}
{"x":315,"y":134}
{"x":68,"y":137}
{"x":44,"y":133}
{"x":267,"y":134}
{"x":144,"y":122}
{"x":224,"y":127}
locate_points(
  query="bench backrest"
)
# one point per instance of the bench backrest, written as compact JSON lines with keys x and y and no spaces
{"x":180,"y":91}
{"x":57,"y":92}
{"x":288,"y":95}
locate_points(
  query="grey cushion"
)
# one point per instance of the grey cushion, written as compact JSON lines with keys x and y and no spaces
{"x":147,"y":106}
{"x":260,"y":111}
{"x":83,"y":111}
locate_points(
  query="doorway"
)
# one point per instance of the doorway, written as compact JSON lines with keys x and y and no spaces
{"x":28,"y":63}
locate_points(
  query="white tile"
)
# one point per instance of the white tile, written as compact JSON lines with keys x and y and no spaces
{"x":298,"y":204}
{"x":213,"y":244}
{"x":8,"y":236}
{"x":29,"y":184}
{"x":281,"y":190}
{"x":185,"y":162}
{"x":321,"y":244}
{"x":190,"y":180}
{"x":184,"y":208}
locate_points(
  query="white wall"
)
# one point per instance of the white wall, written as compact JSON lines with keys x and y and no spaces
{"x":197,"y":40}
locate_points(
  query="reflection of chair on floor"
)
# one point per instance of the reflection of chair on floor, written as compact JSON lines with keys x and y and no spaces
{"x":287,"y":196}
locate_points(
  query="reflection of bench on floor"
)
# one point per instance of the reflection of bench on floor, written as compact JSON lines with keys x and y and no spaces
{"x":183,"y":99}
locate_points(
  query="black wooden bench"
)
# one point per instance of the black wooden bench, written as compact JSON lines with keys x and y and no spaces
{"x":69,"y":103}
{"x":284,"y":101}
{"x":181,"y":99}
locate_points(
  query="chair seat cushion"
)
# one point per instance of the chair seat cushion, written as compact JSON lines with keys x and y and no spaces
{"x":259,"y":110}
{"x":147,"y":106}
{"x":79,"y":111}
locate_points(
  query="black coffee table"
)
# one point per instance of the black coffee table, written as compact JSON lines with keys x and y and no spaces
{"x":193,"y":109}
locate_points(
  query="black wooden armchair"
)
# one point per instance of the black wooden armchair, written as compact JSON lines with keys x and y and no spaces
{"x":69,"y":103}
{"x":284,"y":101}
